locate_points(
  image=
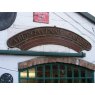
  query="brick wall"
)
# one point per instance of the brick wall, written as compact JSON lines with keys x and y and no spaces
{"x":68,"y":60}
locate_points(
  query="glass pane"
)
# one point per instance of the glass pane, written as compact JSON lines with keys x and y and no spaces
{"x":23,"y":74}
{"x":89,"y":73}
{"x":83,"y":80}
{"x":69,"y":80}
{"x":63,"y":81}
{"x":89,"y":80}
{"x":82,"y":73}
{"x":48,"y":81}
{"x":40,"y":81}
{"x":62,"y":70}
{"x":76,"y":81}
{"x":39,"y":71}
{"x":47,"y":71}
{"x":32,"y":81}
{"x":69,"y":71}
{"x":55,"y":70}
{"x":76,"y":73}
{"x":55,"y":81}
{"x":32,"y":73}
{"x":23,"y":80}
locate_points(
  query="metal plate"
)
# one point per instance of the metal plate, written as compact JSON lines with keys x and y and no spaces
{"x":7,"y":19}
{"x":6,"y":78}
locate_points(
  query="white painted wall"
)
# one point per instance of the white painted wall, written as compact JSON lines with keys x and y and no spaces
{"x":11,"y":63}
{"x":24,"y":21}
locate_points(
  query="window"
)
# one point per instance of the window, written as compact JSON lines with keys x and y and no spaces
{"x":56,"y":73}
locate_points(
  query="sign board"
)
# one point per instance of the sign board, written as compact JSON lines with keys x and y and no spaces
{"x":48,"y":35}
{"x":41,"y":17}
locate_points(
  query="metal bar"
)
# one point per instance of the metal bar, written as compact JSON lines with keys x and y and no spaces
{"x":58,"y":73}
{"x":86,"y":75}
{"x":43,"y":73}
{"x":19,"y":77}
{"x":35,"y":73}
{"x":36,"y":53}
{"x":66,"y":73}
{"x":92,"y":76}
{"x":27,"y":74}
{"x":79,"y":71}
{"x":72,"y":74}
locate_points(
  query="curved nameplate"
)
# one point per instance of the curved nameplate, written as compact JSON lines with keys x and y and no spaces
{"x":48,"y":35}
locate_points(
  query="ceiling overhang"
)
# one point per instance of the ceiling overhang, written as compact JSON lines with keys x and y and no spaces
{"x":88,"y":16}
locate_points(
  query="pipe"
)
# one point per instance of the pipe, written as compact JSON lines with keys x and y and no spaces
{"x":38,"y":53}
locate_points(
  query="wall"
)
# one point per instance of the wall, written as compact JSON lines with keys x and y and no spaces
{"x":24,"y":21}
{"x":9,"y":64}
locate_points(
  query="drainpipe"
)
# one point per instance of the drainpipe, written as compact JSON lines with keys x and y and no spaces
{"x":38,"y":53}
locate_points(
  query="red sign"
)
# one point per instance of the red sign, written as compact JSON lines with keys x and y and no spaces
{"x":41,"y":17}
